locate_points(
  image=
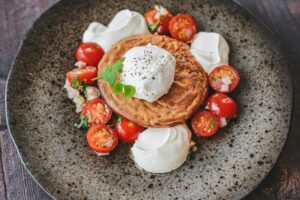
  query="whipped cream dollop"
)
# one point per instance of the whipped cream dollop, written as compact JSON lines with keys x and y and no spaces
{"x":161,"y":150}
{"x":210,"y":50}
{"x":124,"y":24}
{"x":150,"y":70}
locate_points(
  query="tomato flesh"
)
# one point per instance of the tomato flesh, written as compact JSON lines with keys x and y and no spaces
{"x":96,"y":112}
{"x":127,"y":131}
{"x":224,"y":79}
{"x":82,"y":74}
{"x":182,"y":27}
{"x":222,"y":105}
{"x":158,"y":21}
{"x":90,"y":53}
{"x":205,"y":124}
{"x":101,"y":138}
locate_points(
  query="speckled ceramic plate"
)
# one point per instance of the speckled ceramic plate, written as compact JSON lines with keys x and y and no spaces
{"x":227,"y":166}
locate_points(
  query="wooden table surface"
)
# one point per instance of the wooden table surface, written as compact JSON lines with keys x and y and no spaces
{"x":282,"y":17}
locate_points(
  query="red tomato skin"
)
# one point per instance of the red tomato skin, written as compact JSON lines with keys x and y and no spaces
{"x":83,"y":74}
{"x":90,"y":53}
{"x":163,"y":27}
{"x":96,"y":148}
{"x":182,"y":27}
{"x":88,"y":108}
{"x":234,"y":83}
{"x":128,"y":131}
{"x":203,"y":133}
{"x":222,"y":105}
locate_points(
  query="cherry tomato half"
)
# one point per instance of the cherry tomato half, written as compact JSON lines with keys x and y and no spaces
{"x":96,"y":112}
{"x":90,"y":53}
{"x":205,"y":123}
{"x":101,"y":138}
{"x":222,"y":105}
{"x":158,"y":20}
{"x":182,"y":27}
{"x":224,"y":79}
{"x":82,"y":74}
{"x":127,"y":131}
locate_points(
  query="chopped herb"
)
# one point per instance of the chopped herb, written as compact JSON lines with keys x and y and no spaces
{"x":110,"y":76}
{"x":78,"y":85}
{"x":213,"y":77}
{"x":212,"y":122}
{"x":119,"y":119}
{"x":83,"y":122}
{"x":153,"y":27}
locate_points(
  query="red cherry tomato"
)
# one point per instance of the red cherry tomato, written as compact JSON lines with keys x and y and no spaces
{"x":90,"y":53}
{"x":205,"y":124}
{"x":101,"y":138}
{"x":182,"y":27}
{"x":158,"y":20}
{"x":96,"y":112}
{"x":127,"y":131}
{"x":82,"y":74}
{"x":224,"y":79}
{"x":222,"y":105}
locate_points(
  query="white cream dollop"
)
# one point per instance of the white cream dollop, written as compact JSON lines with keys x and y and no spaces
{"x":124,"y":24}
{"x":210,"y":50}
{"x":161,"y":150}
{"x":150,"y":70}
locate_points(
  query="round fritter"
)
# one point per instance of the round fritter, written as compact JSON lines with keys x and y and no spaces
{"x":187,"y":93}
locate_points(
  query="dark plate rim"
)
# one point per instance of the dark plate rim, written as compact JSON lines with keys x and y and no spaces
{"x":236,"y":2}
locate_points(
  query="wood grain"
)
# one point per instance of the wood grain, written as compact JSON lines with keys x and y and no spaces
{"x":283,"y":19}
{"x":281,"y":16}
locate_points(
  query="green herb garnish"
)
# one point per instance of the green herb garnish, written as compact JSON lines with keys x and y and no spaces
{"x":212,"y":122}
{"x":118,"y":88}
{"x":213,"y":77}
{"x":153,"y":27}
{"x":83,"y":122}
{"x":129,"y":91}
{"x":110,"y":76}
{"x":119,"y":119}
{"x":78,"y":85}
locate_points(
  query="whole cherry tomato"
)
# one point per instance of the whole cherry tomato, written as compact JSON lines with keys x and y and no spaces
{"x":90,"y":53}
{"x":222,"y":105}
{"x":182,"y":27}
{"x":127,"y":131}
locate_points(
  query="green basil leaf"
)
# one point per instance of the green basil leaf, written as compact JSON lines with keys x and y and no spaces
{"x":118,"y":88}
{"x":111,"y":78}
{"x":129,"y":91}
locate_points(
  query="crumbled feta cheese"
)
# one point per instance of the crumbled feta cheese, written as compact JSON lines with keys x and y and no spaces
{"x":224,"y":88}
{"x":223,"y":122}
{"x":161,"y":11}
{"x":226,"y":80}
{"x":80,"y":64}
{"x":101,"y":154}
{"x":79,"y":101}
{"x":91,"y":92}
{"x":72,"y":93}
{"x":75,"y":96}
